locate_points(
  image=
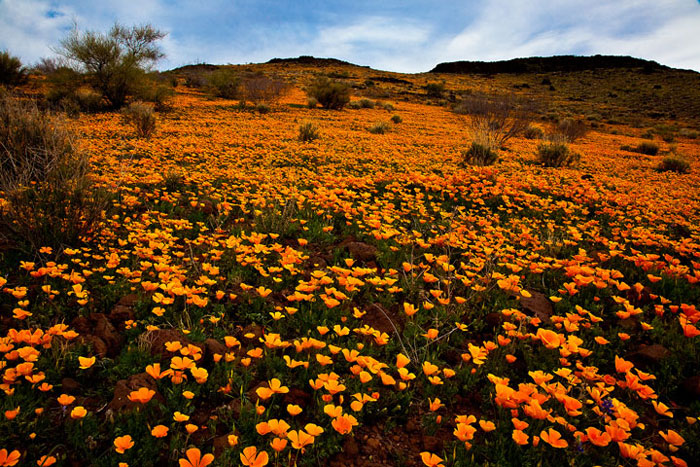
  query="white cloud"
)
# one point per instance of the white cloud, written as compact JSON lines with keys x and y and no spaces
{"x":663,"y":30}
{"x":390,"y":37}
{"x":29,"y":27}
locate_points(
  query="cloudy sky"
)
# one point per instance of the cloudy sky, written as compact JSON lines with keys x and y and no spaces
{"x":395,"y":35}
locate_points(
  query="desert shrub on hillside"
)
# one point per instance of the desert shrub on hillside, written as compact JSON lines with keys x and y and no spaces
{"x":308,"y":132}
{"x":688,"y":133}
{"x":115,"y":63}
{"x":141,"y":117}
{"x":194,"y":80}
{"x":556,"y":153}
{"x":260,"y":88}
{"x":157,"y":92}
{"x":49,"y":196}
{"x":262,"y":108}
{"x":674,"y":163}
{"x":434,"y":90}
{"x":11,"y":71}
{"x":379,"y":128}
{"x":533,"y":132}
{"x":396,"y":118}
{"x":330,"y":94}
{"x":571,"y":129}
{"x":666,"y":132}
{"x":499,"y":118}
{"x":223,"y":83}
{"x":480,"y":155}
{"x":650,"y":149}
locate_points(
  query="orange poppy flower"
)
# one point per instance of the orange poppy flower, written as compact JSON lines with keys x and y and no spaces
{"x":11,"y":458}
{"x":300,"y":439}
{"x":275,"y":387}
{"x":252,"y":458}
{"x":672,"y":438}
{"x":195,"y":459}
{"x":622,"y":365}
{"x":520,"y":437}
{"x":159,"y":431}
{"x":597,"y":437}
{"x":344,"y":423}
{"x":550,"y":339}
{"x":86,"y":362}
{"x":431,"y":460}
{"x":142,"y":395}
{"x":78,"y":412}
{"x":278,"y":444}
{"x":313,"y":430}
{"x":46,"y":461}
{"x":123,"y":443}
{"x":553,"y":438}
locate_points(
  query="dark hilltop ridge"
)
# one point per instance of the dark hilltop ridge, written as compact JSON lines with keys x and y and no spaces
{"x":313,"y":61}
{"x":557,"y":63}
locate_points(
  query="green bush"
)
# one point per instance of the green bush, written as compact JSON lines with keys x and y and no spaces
{"x":533,"y":132}
{"x":666,"y":132}
{"x":480,"y":155}
{"x":366,"y":103}
{"x":379,"y":128}
{"x":262,"y":108}
{"x":330,"y":94}
{"x":674,"y":163}
{"x":159,"y":94}
{"x":223,"y":83}
{"x":115,"y":63}
{"x":11,"y":71}
{"x":396,"y":118}
{"x":688,"y":133}
{"x":308,"y":132}
{"x":556,"y":154}
{"x":49,"y":196}
{"x":141,"y":117}
{"x":312,"y":102}
{"x":650,"y":149}
{"x":434,"y":90}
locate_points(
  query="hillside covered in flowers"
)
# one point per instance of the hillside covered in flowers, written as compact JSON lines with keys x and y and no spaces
{"x":364,"y":298}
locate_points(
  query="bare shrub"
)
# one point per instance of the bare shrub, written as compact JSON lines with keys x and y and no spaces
{"x":500,"y":117}
{"x":48,"y":196}
{"x":571,"y":129}
{"x":259,"y":88}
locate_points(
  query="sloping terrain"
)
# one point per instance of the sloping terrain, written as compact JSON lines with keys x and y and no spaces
{"x":366,"y":299}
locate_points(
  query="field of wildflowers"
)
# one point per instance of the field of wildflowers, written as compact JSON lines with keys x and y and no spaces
{"x":358,"y":299}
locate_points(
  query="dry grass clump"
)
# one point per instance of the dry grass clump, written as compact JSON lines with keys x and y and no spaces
{"x":142,"y":117}
{"x":48,"y":198}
